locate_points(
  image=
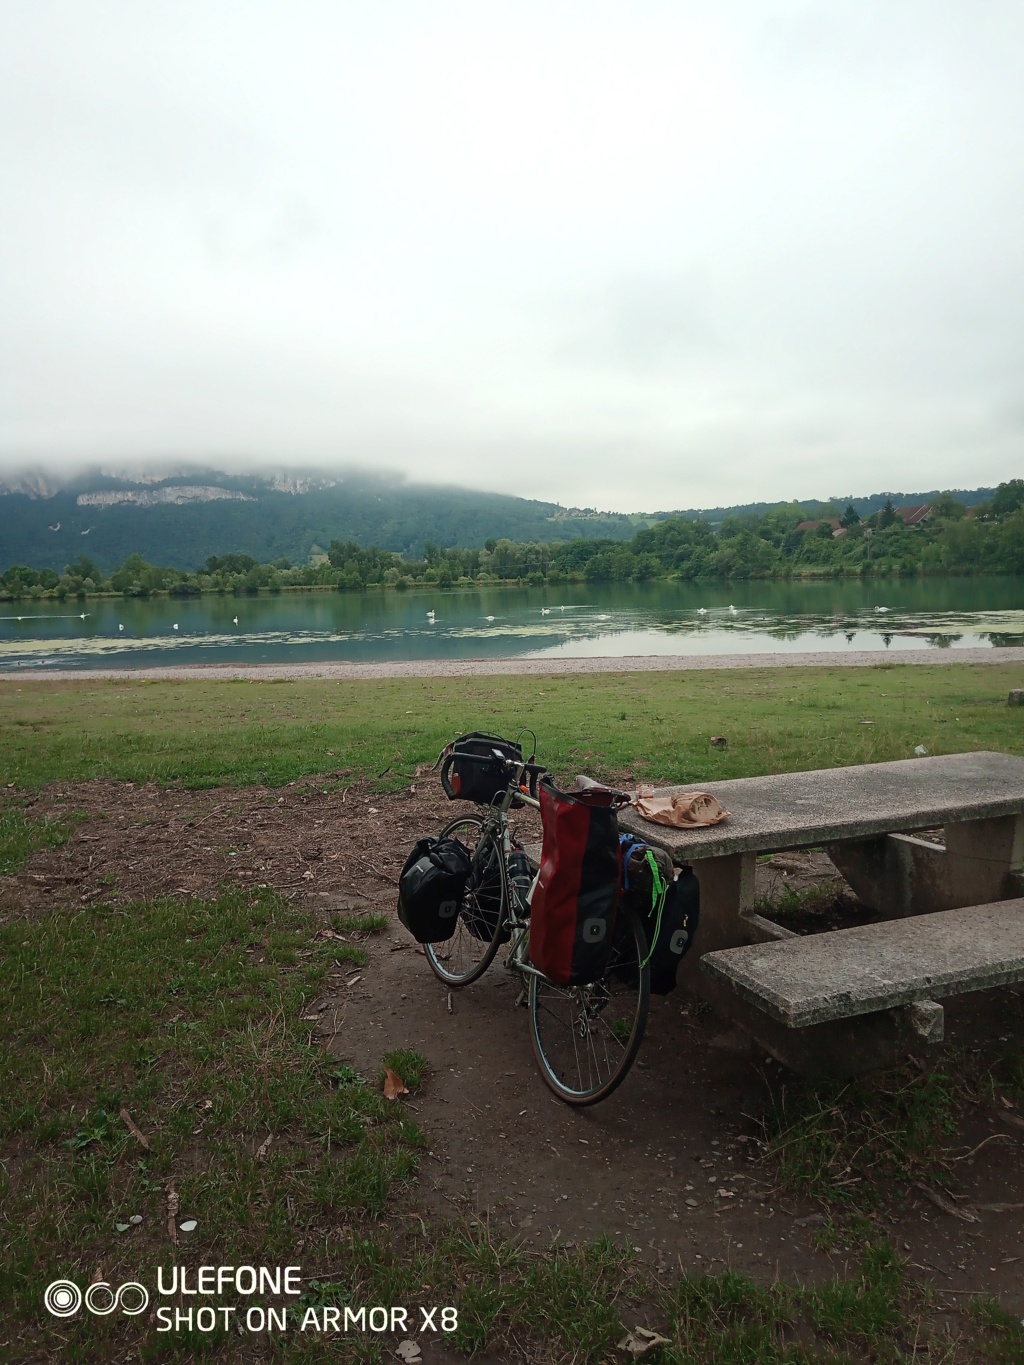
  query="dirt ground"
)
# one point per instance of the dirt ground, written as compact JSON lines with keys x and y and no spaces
{"x":671,"y":1164}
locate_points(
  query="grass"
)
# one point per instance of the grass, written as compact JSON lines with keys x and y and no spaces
{"x":838,"y":1143}
{"x":791,"y":900}
{"x":21,"y":836}
{"x":653,"y":725}
{"x":188,"y":1017}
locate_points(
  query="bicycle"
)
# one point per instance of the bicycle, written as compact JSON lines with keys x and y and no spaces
{"x":584,"y":1038}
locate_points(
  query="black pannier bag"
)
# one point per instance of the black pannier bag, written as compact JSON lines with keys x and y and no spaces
{"x":484,"y":900}
{"x":572,"y":916}
{"x":669,"y":909}
{"x":473,"y":767}
{"x":431,"y":888}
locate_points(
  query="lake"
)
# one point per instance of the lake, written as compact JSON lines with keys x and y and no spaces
{"x":563,"y":622}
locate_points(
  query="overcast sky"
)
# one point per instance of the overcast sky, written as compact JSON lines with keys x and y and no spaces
{"x":632,"y":256}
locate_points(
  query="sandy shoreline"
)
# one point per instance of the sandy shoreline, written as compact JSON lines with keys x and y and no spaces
{"x":468,"y":668}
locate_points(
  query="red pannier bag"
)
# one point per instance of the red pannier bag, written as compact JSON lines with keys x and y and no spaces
{"x":572,"y":914}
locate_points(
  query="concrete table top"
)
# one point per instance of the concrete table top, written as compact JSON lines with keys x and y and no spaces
{"x":833,"y":805}
{"x":877,"y":966}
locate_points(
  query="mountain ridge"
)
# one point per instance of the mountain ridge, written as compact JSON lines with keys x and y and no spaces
{"x":181,"y":514}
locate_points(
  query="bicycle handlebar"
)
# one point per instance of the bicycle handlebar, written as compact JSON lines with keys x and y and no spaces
{"x":513,"y":770}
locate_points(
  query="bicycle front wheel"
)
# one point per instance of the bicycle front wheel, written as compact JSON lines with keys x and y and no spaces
{"x":585,"y":1038}
{"x":481,"y":924}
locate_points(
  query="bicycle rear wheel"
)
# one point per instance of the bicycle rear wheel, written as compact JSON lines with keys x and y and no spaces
{"x":585,"y":1038}
{"x":481,"y":924}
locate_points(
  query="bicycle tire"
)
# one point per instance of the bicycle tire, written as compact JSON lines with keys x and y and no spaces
{"x":480,"y":928}
{"x":610,"y":1016}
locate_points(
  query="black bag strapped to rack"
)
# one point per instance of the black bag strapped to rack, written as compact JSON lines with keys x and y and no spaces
{"x":668,"y":906}
{"x":431,"y":888}
{"x":473,"y":767}
{"x":572,"y":915}
{"x":484,"y":899}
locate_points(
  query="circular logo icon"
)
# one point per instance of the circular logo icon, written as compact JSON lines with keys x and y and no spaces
{"x":63,"y":1298}
{"x":100,"y":1299}
{"x":133,"y":1298}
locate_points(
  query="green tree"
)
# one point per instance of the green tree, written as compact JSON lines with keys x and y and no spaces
{"x":946,"y":508}
{"x":1008,"y":497}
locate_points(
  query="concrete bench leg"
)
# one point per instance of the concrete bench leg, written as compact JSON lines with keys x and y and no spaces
{"x":898,"y":875}
{"x":726,"y":897}
{"x":840,"y":1048}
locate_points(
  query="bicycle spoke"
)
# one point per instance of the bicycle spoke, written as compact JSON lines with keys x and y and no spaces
{"x":585,"y":1038}
{"x":481,"y":923}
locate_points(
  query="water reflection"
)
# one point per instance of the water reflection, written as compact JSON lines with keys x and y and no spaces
{"x":656,"y":619}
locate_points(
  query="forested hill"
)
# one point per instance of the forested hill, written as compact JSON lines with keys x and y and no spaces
{"x":181,"y":522}
{"x":182,"y":519}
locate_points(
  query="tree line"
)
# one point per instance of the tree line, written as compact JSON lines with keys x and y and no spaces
{"x":776,"y":544}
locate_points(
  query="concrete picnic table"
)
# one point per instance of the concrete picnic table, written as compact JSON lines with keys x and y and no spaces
{"x":866,"y":818}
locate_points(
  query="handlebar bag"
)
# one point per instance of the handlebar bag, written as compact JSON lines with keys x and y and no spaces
{"x":572,"y":915}
{"x":473,"y":767}
{"x":431,"y":888}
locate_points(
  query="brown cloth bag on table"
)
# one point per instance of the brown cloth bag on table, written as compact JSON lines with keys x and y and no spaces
{"x":684,"y":811}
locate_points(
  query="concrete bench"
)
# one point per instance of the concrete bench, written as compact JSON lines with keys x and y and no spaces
{"x":864,"y":817}
{"x":867,"y":818}
{"x":837,"y":1003}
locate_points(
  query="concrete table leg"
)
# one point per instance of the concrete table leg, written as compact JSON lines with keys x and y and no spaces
{"x":898,"y":875}
{"x":726,"y":896}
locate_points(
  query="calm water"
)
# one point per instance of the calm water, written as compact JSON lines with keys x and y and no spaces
{"x":572,"y":621}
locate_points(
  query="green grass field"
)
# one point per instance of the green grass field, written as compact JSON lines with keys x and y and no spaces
{"x":186,"y":1016}
{"x":655,"y":725}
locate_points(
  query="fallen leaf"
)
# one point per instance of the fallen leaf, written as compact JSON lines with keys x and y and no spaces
{"x":189,"y":1225}
{"x":393,"y":1085}
{"x":264,"y":1147}
{"x":137,"y":1133}
{"x":135,"y":1219}
{"x":122,"y":1227}
{"x":641,"y":1340}
{"x":408,"y":1351}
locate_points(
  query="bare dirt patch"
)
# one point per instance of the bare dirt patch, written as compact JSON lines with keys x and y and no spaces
{"x":672,"y":1164}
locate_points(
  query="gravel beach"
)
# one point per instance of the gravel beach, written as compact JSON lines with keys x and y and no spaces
{"x":466,"y":668}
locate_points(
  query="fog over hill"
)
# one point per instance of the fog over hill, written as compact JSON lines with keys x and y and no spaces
{"x":180,"y":515}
